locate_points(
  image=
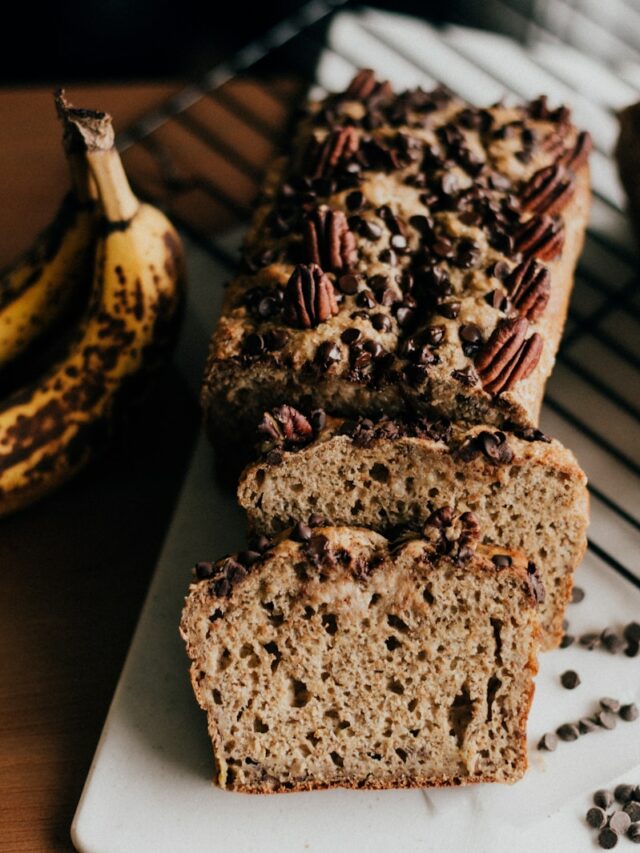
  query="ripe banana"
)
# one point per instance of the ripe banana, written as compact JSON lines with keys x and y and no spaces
{"x":51,"y":429}
{"x":37,"y":290}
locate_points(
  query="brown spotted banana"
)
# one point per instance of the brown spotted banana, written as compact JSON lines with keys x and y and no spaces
{"x":52,"y":428}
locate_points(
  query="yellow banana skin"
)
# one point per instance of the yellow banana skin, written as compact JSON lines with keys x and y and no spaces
{"x":50,"y":430}
{"x":36,"y":292}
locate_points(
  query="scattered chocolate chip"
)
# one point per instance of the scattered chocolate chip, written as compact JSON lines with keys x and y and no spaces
{"x":590,"y":641}
{"x":612,"y":641}
{"x":629,"y":713}
{"x":568,"y":732}
{"x":586,"y":726}
{"x":607,"y":838}
{"x":603,"y":798}
{"x":633,"y":833}
{"x":596,"y":817}
{"x":633,"y":810}
{"x":608,"y":704}
{"x":631,"y":632}
{"x":620,"y":822}
{"x":632,"y":649}
{"x":566,"y":641}
{"x":623,"y":793}
{"x":606,"y":719}
{"x":577,"y":595}
{"x":548,"y":742}
{"x":570,"y":679}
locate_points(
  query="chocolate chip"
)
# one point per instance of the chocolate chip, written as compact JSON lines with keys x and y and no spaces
{"x":355,"y":200}
{"x":566,"y":641}
{"x":350,"y":336}
{"x":370,"y":230}
{"x":398,"y":242}
{"x":450,"y":310}
{"x":501,"y":561}
{"x":607,"y":838}
{"x":620,"y":822}
{"x":548,"y":742}
{"x":388,"y":256}
{"x":260,"y":543}
{"x":636,"y":794}
{"x":631,"y":632}
{"x":365,"y":299}
{"x":443,"y":247}
{"x":596,"y":817}
{"x":317,"y":520}
{"x":318,"y":550}
{"x":327,"y":354}
{"x":380,"y":322}
{"x":275,"y":339}
{"x":404,"y":316}
{"x":612,"y":641}
{"x":570,"y":679}
{"x":568,"y":732}
{"x":632,"y":650}
{"x":577,"y":595}
{"x":608,"y":704}
{"x":633,"y":810}
{"x":499,"y":269}
{"x":606,"y":719}
{"x":603,"y":798}
{"x":435,"y":335}
{"x":421,"y":223}
{"x":249,"y":558}
{"x":301,"y":532}
{"x":586,"y":726}
{"x":204,"y":570}
{"x":629,"y":713}
{"x":253,"y":345}
{"x":470,"y":332}
{"x":623,"y":793}
{"x":348,"y":284}
{"x":317,"y":419}
{"x":590,"y":641}
{"x":633,"y":833}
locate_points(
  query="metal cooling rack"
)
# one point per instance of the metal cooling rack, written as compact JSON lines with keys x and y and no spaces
{"x":203,"y":154}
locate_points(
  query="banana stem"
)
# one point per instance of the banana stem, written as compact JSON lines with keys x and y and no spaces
{"x":89,"y":134}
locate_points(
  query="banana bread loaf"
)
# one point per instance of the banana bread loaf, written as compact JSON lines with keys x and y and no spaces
{"x":527,"y":490}
{"x":335,"y":658}
{"x":413,"y":252}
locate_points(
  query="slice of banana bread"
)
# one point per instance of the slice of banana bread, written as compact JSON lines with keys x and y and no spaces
{"x":528,"y":490}
{"x":414,"y":251}
{"x":335,"y":658}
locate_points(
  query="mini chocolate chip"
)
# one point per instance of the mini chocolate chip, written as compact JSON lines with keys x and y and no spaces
{"x":450,"y":310}
{"x":470,"y":332}
{"x":607,"y":838}
{"x":501,"y":561}
{"x":633,"y":833}
{"x":606,"y":719}
{"x":608,"y":704}
{"x":590,"y":641}
{"x":623,"y":793}
{"x":301,"y":532}
{"x":275,"y":339}
{"x":388,"y":256}
{"x":421,"y":223}
{"x":350,"y":336}
{"x":566,"y":641}
{"x":253,"y":345}
{"x":620,"y":821}
{"x":348,"y":284}
{"x":373,"y":348}
{"x":586,"y":726}
{"x":568,"y":732}
{"x":570,"y":679}
{"x":404,"y":316}
{"x":204,"y":570}
{"x":577,"y":595}
{"x":548,"y":742}
{"x":365,"y":299}
{"x":260,"y":543}
{"x":355,"y":200}
{"x":603,"y":798}
{"x":633,"y":810}
{"x":370,"y":230}
{"x":380,"y":322}
{"x":596,"y":817}
{"x":629,"y":713}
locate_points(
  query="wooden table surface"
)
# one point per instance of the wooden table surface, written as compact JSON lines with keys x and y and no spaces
{"x":74,"y":569}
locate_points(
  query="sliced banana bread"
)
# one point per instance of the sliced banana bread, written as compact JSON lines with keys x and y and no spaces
{"x":335,"y":658}
{"x":412,"y":251}
{"x":527,"y":490}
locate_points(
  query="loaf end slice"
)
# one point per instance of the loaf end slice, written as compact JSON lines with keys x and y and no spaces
{"x":528,"y":491}
{"x":339,"y":660}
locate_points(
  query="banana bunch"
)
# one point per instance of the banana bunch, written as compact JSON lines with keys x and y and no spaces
{"x":131,"y":257}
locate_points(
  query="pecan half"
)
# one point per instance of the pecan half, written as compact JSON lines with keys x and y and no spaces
{"x":309,"y":297}
{"x":577,"y":156}
{"x":548,"y":190}
{"x":529,"y":286}
{"x":286,"y":425}
{"x":365,"y":87}
{"x":328,"y":240}
{"x":507,"y":357}
{"x":338,"y":147}
{"x":540,"y":237}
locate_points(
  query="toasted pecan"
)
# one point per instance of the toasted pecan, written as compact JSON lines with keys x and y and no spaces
{"x":309,"y":297}
{"x":328,"y":240}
